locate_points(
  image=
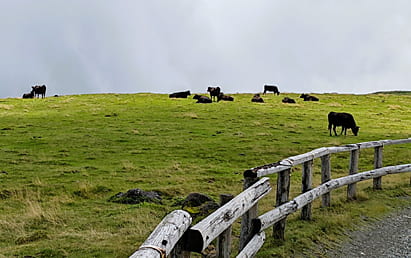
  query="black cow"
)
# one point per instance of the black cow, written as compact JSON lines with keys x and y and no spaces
{"x":288,"y":100}
{"x":257,"y":98}
{"x":39,"y":90}
{"x":202,"y":99}
{"x":28,"y":95}
{"x":182,"y":94}
{"x":214,"y":92}
{"x":224,"y":97}
{"x":308,"y":97}
{"x":272,"y":88}
{"x":345,"y":120}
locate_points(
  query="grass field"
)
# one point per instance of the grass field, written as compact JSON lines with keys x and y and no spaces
{"x":63,"y":157}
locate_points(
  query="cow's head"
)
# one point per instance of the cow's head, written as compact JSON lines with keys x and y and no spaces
{"x":355,"y":130}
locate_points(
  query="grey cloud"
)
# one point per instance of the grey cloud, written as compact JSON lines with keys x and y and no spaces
{"x":79,"y":47}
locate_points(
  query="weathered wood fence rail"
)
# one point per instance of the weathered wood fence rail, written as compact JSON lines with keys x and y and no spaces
{"x":175,"y":238}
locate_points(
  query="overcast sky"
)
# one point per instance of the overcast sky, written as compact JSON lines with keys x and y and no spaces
{"x":163,"y":46}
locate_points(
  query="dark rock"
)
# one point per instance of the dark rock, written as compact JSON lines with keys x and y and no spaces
{"x":199,"y":205}
{"x":195,"y":200}
{"x":135,"y":196}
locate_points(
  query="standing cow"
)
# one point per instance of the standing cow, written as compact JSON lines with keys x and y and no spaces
{"x":214,"y":92}
{"x":39,"y":91}
{"x":345,"y":120}
{"x":272,"y":88}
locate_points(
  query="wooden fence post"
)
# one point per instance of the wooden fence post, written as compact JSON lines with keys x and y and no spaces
{"x":306,"y":186}
{"x":271,"y":217}
{"x":207,"y":230}
{"x":245,"y":234}
{"x":352,"y":188}
{"x":377,"y":182}
{"x":165,"y":236}
{"x":253,"y":246}
{"x":283,"y":190}
{"x":326,"y":176}
{"x":224,"y":240}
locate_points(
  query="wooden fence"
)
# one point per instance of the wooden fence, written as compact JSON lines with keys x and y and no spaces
{"x":174,"y":237}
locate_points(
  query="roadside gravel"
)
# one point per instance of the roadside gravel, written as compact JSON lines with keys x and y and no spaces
{"x":388,"y":237}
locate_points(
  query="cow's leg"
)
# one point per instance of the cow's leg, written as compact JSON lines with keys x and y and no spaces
{"x":335,"y":132}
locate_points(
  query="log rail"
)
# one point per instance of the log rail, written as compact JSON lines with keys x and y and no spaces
{"x":174,"y":237}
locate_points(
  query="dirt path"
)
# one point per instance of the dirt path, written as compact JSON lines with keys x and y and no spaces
{"x":388,"y":237}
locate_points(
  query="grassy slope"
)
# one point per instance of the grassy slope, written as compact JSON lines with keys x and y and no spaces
{"x":62,"y":158}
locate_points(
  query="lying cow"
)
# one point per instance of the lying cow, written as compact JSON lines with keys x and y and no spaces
{"x":257,"y":98}
{"x":202,"y":99}
{"x":272,"y":88}
{"x":224,"y":97}
{"x":288,"y":100}
{"x":308,"y":97}
{"x":182,"y":94}
{"x":345,"y":120}
{"x":28,"y":95}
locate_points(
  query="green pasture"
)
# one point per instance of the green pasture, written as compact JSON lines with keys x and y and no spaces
{"x":63,"y":157}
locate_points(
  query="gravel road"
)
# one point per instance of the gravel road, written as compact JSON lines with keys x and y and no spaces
{"x":388,"y":237}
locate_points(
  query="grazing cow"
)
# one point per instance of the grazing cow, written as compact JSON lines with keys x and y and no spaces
{"x":224,"y":97}
{"x":182,"y":94}
{"x":39,"y":90}
{"x":257,"y":98}
{"x":288,"y":100}
{"x":28,"y":95}
{"x":345,"y":120}
{"x":272,"y":88}
{"x":214,"y":92}
{"x":308,"y":97}
{"x":202,"y":99}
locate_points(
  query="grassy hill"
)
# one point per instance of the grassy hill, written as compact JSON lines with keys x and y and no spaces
{"x":63,"y":157}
